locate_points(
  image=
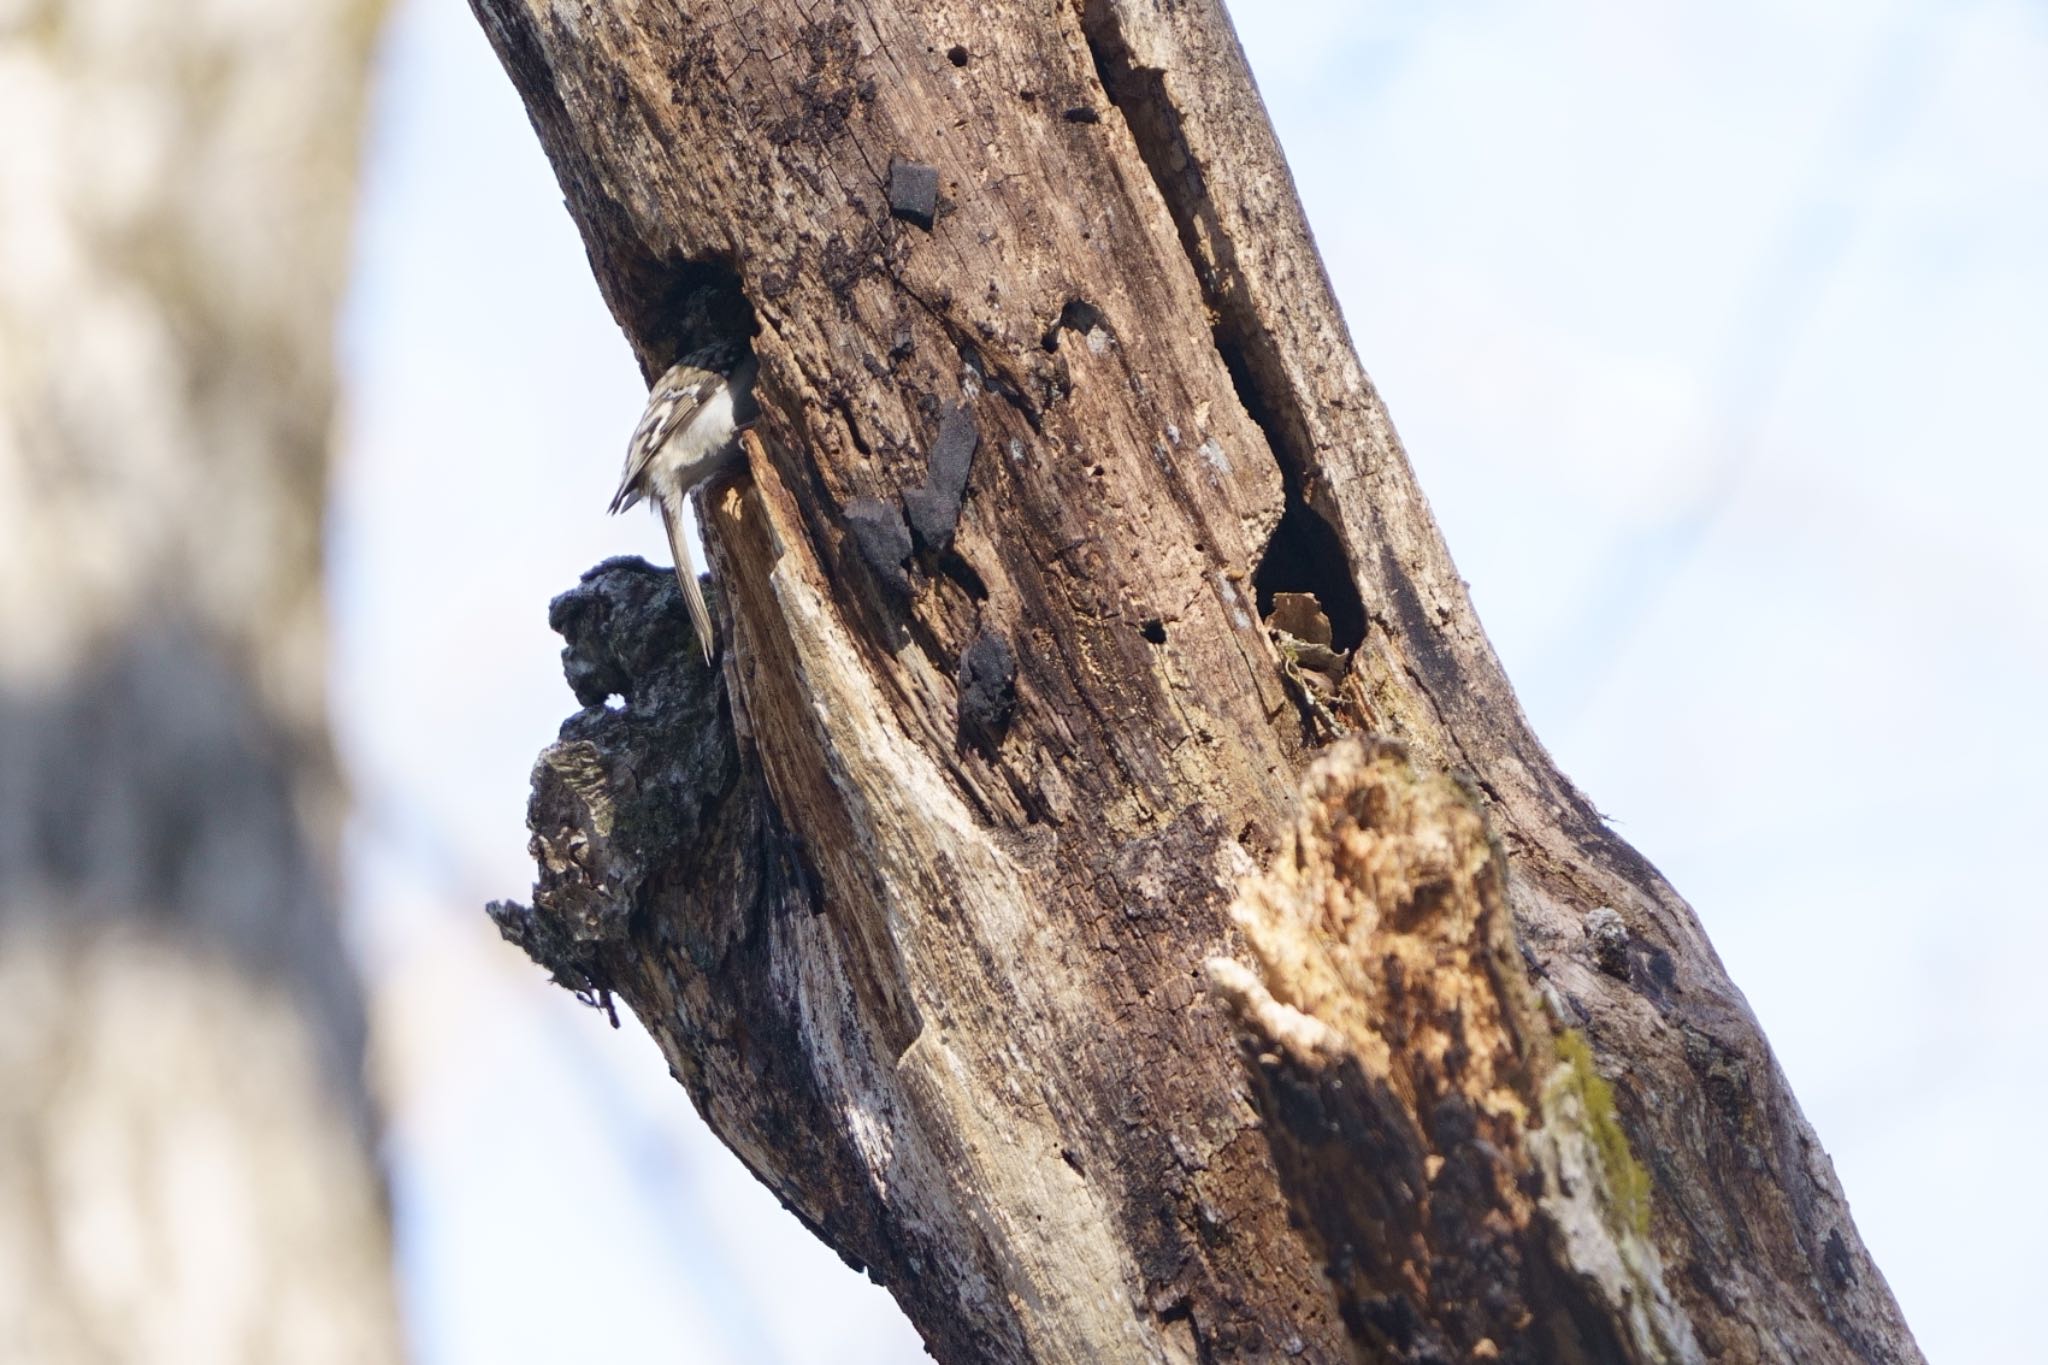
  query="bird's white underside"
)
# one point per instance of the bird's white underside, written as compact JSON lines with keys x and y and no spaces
{"x":704,"y":443}
{"x":699,"y":448}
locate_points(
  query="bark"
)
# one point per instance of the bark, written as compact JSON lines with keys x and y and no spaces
{"x":1108,"y":889}
{"x":186,"y":1167}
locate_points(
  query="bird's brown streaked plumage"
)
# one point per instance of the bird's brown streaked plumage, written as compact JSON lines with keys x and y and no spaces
{"x":689,"y":432}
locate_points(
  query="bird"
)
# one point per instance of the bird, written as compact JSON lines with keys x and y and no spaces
{"x":689,"y":432}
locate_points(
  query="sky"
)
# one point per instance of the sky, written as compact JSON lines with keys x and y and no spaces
{"x":1717,"y":335}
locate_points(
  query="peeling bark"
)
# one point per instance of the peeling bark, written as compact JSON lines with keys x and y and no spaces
{"x":1072,"y":542}
{"x":1456,"y":1155}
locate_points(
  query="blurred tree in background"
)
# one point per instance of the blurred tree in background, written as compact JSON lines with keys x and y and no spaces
{"x":186,"y":1168}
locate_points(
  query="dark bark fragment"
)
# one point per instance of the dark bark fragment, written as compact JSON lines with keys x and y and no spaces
{"x":988,"y":689}
{"x":914,"y":192}
{"x":934,"y":506}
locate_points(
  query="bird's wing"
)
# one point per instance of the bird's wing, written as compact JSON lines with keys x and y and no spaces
{"x":674,"y":400}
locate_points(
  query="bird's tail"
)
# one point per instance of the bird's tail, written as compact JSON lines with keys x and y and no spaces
{"x":686,"y":571}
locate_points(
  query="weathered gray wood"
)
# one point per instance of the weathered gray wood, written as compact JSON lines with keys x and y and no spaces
{"x":959,"y":978}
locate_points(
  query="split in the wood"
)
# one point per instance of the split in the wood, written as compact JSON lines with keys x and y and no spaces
{"x":1305,"y":554}
{"x":980,"y":374}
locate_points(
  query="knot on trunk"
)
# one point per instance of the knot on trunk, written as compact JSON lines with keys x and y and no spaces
{"x":632,"y":777}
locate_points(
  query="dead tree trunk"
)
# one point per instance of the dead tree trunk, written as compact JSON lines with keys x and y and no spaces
{"x":186,"y":1169}
{"x":1010,"y":900}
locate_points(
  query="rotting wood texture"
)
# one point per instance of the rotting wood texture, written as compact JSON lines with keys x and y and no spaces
{"x":923,"y":890}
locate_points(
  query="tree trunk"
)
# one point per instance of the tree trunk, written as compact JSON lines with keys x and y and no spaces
{"x":940,"y":894}
{"x":186,"y":1169}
